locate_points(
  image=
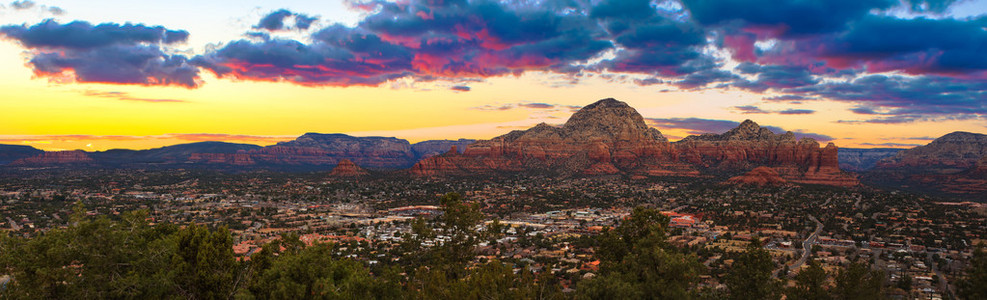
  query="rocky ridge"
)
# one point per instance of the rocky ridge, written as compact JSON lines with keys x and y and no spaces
{"x":55,"y":158}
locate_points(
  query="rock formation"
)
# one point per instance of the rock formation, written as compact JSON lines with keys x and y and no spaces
{"x":759,"y":176}
{"x":347,"y":168}
{"x":609,"y":137}
{"x":55,"y":158}
{"x":749,"y":146}
{"x":606,"y":137}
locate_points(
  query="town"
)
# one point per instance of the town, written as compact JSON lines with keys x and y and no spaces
{"x":545,"y":225}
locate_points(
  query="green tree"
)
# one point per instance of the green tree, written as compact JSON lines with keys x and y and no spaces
{"x":904,"y":283}
{"x":750,"y":275}
{"x":810,"y":284}
{"x":92,"y":258}
{"x":203,"y":262}
{"x":636,"y":262}
{"x":974,"y":284}
{"x":313,"y":273}
{"x":458,"y":228}
{"x":857,"y":281}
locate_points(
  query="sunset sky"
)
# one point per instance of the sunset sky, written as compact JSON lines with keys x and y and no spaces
{"x":102,"y":74}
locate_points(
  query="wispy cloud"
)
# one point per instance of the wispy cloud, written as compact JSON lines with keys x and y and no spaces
{"x":127,"y":97}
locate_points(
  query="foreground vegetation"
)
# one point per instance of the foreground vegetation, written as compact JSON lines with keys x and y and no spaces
{"x":99,"y":258}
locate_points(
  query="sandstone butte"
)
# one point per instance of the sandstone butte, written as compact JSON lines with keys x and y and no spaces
{"x":610,"y":137}
{"x":347,"y":168}
{"x":759,"y":176}
{"x":55,"y":157}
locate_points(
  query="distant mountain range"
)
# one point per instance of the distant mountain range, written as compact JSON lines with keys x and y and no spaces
{"x":859,"y":160}
{"x":311,"y":151}
{"x":606,"y":138}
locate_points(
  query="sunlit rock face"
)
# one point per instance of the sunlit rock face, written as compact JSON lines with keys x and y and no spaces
{"x":610,"y":137}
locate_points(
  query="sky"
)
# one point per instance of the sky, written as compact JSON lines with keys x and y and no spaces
{"x":104,"y":74}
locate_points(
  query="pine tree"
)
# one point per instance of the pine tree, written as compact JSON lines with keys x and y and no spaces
{"x":750,"y":276}
{"x":974,"y":284}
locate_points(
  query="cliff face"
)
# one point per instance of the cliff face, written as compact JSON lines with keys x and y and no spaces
{"x":606,"y":137}
{"x":858,"y":160}
{"x":55,"y":158}
{"x":610,"y":137}
{"x":749,"y":146}
{"x":952,"y":164}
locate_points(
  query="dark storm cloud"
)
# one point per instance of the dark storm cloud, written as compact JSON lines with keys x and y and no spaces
{"x":337,"y":56}
{"x":275,"y":21}
{"x":791,"y":17}
{"x":774,"y":77}
{"x":907,"y":95}
{"x":105,"y":53}
{"x":421,"y":39}
{"x":917,"y":46}
{"x":705,"y":78}
{"x":83,"y":35}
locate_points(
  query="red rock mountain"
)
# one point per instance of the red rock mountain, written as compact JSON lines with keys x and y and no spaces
{"x":55,"y":158}
{"x":749,"y":146}
{"x":955,"y":163}
{"x":606,"y":137}
{"x":610,"y":137}
{"x":347,"y":168}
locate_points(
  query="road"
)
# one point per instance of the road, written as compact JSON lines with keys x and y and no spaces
{"x":807,"y":245}
{"x":809,"y":241}
{"x":942,"y":279}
